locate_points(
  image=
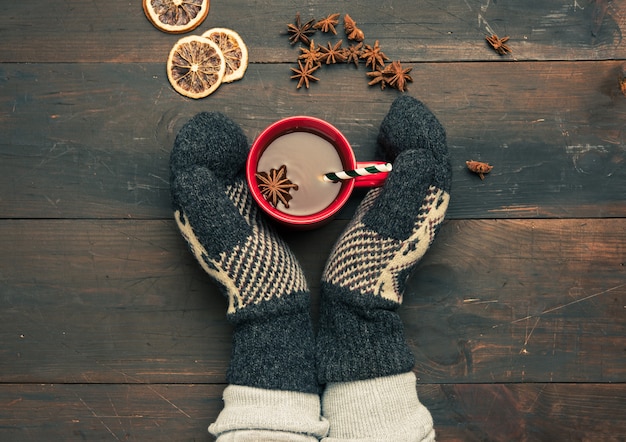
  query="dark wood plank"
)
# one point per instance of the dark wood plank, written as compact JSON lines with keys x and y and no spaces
{"x":521,"y":300}
{"x":108,"y":412}
{"x":93,"y":140}
{"x":462,"y":412}
{"x":493,"y":301}
{"x":526,"y":412}
{"x":110,"y":329}
{"x":75,"y":31}
{"x":107,"y":302}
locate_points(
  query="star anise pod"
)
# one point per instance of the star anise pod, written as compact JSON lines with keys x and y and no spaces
{"x":328,"y":24}
{"x":378,"y":77}
{"x":275,"y":186}
{"x":310,"y":55}
{"x":304,"y":74}
{"x":352,"y":32}
{"x":498,"y":44}
{"x":332,"y":54}
{"x":397,"y":76}
{"x":300,"y":32}
{"x":373,"y":56}
{"x":353,"y":53}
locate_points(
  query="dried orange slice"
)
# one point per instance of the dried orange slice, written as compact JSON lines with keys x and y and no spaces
{"x":176,"y":16}
{"x":195,"y":66}
{"x":234,"y":50}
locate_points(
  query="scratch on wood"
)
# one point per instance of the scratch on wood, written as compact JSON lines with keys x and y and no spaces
{"x":524,"y":351}
{"x":478,"y":301}
{"x":599,"y":11}
{"x":159,"y":178}
{"x":509,"y":209}
{"x":132,"y":378}
{"x":92,"y":411}
{"x":114,"y":408}
{"x":168,"y":401}
{"x":560,"y":307}
{"x":14,"y":401}
{"x":481,"y":21}
{"x":539,"y":394}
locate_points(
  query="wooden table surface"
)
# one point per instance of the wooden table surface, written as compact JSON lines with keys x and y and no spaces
{"x":109,"y":329}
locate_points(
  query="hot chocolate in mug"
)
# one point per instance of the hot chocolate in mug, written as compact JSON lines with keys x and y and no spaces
{"x":292,"y":171}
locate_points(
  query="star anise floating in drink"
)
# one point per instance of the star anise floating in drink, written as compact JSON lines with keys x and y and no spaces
{"x":275,"y":186}
{"x":313,"y":56}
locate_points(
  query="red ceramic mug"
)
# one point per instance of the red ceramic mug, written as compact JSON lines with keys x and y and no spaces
{"x":296,"y":153}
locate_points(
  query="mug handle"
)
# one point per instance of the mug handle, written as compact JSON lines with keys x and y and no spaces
{"x":374,"y":180}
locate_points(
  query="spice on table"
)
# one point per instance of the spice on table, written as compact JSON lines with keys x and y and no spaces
{"x":378,"y":77}
{"x":498,"y":44}
{"x":373,"y":56}
{"x":352,"y":31}
{"x":331,"y":54}
{"x":275,"y":186}
{"x":310,"y":55}
{"x":328,"y":24}
{"x":301,"y":32}
{"x":397,"y":76}
{"x":353,"y":53}
{"x":304,"y":74}
{"x":479,"y":167}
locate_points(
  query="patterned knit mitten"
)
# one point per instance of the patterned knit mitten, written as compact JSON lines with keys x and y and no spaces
{"x":360,"y":334}
{"x":268,"y":297}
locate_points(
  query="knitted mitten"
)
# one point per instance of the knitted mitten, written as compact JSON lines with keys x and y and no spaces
{"x":360,"y":333}
{"x":268,"y":298}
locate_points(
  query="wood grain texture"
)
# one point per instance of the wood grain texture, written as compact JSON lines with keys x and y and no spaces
{"x":409,"y":30}
{"x":521,"y":300}
{"x":462,"y":412}
{"x":111,"y":331}
{"x":493,"y":301}
{"x":93,"y":140}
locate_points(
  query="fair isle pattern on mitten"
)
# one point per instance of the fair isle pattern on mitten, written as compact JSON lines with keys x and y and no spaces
{"x":245,"y":272}
{"x":384,"y":276}
{"x":268,"y":298}
{"x":360,"y":333}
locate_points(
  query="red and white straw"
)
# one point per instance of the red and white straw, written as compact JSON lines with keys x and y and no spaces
{"x":361,"y":171}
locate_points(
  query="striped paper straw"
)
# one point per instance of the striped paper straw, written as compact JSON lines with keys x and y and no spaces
{"x":361,"y":171}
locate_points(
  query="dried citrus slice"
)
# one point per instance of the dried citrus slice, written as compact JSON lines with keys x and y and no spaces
{"x":176,"y":16}
{"x":195,"y":66}
{"x":234,"y":50}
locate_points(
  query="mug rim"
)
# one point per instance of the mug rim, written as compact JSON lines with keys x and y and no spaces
{"x":300,"y":123}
